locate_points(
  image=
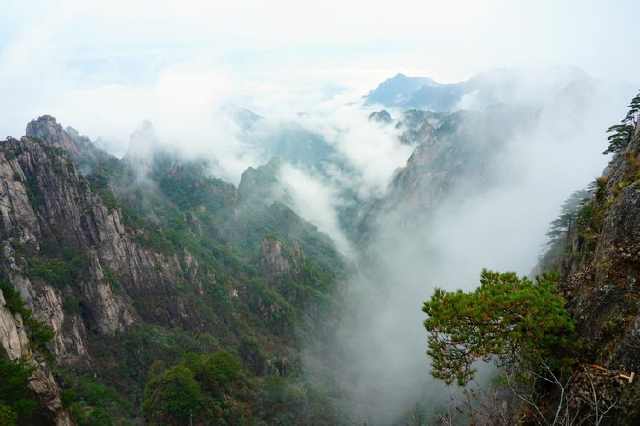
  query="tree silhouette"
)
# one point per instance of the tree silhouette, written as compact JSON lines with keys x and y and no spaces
{"x":622,"y":133}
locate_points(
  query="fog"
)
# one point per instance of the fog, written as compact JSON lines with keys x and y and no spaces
{"x":189,"y":69}
{"x":497,"y":220}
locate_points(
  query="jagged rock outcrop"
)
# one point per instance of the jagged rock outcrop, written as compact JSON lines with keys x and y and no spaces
{"x":382,"y":117}
{"x":15,"y":343}
{"x":48,"y":207}
{"x":278,"y":260}
{"x":47,"y":129}
{"x":47,"y":210}
{"x":104,"y":257}
{"x":456,"y":154}
{"x":262,"y":185}
{"x":13,"y":338}
{"x":599,"y":262}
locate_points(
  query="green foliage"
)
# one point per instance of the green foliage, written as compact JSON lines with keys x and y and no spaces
{"x":93,"y":403}
{"x":173,"y":397}
{"x":68,"y":269}
{"x":210,"y":388}
{"x":188,"y":185}
{"x":184,"y":213}
{"x":589,"y":219}
{"x":8,"y":416}
{"x":621,"y":134}
{"x":71,"y":305}
{"x":558,"y":231}
{"x":285,"y":401}
{"x":16,"y":400}
{"x":36,"y":197}
{"x":54,"y":271}
{"x":271,"y":307}
{"x":127,"y":356}
{"x":513,"y":320}
{"x":99,"y":184}
{"x":39,"y":335}
{"x":217,"y":371}
{"x":111,"y":278}
{"x":13,"y":300}
{"x":569,"y":211}
{"x":252,"y":355}
{"x":281,"y":401}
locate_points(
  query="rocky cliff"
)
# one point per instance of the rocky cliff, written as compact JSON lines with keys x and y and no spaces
{"x":598,"y":257}
{"x":15,"y":342}
{"x":455,"y":155}
{"x":111,"y":259}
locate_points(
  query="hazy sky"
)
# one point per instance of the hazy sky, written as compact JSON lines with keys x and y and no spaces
{"x":67,"y":57}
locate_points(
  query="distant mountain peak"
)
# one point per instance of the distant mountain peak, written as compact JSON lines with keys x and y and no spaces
{"x":142,"y":142}
{"x":402,"y":91}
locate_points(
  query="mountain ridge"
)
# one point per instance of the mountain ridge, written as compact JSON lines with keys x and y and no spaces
{"x":94,"y":259}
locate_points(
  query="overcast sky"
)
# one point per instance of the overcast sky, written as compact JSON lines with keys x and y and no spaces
{"x":99,"y":65}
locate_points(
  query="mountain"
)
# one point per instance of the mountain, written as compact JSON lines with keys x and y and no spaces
{"x":497,"y":86}
{"x":402,"y":91}
{"x":595,"y":249}
{"x":455,"y":154}
{"x":382,"y":117}
{"x":292,"y":143}
{"x":148,"y":280}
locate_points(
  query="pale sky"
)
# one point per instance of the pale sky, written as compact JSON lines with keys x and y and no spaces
{"x":75,"y":58}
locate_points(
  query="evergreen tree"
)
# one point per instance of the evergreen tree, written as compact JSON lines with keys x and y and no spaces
{"x":173,"y":398}
{"x":17,"y":402}
{"x":622,"y":133}
{"x":568,"y":212}
{"x":515,"y":321}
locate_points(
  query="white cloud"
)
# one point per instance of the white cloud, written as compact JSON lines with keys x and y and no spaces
{"x":316,"y":201}
{"x":49,"y":50}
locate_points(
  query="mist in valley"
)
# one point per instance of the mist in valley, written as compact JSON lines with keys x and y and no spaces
{"x":411,"y":207}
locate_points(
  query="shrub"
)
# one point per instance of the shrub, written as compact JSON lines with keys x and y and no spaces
{"x":16,"y":400}
{"x":67,"y":269}
{"x":8,"y":416}
{"x":514,"y":320}
{"x":216,"y":372}
{"x":91,"y":402}
{"x":173,"y":397}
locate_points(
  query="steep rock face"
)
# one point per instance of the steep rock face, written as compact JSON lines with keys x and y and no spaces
{"x":13,"y":338}
{"x":48,"y":209}
{"x":49,"y":131}
{"x":278,"y":260}
{"x":261,"y":185}
{"x":455,"y":155}
{"x":114,"y":262}
{"x":15,"y":343}
{"x":50,"y":223}
{"x":600,"y":273}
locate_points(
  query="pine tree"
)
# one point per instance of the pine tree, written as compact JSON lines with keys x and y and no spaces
{"x":569,"y":211}
{"x":510,"y":319}
{"x":622,"y":133}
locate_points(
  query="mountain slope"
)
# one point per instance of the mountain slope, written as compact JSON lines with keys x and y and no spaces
{"x":402,"y":91}
{"x":171,"y":261}
{"x":597,"y":255}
